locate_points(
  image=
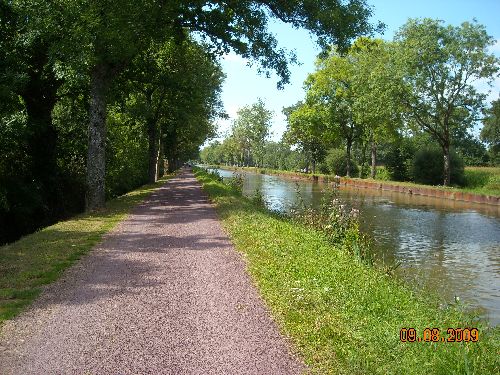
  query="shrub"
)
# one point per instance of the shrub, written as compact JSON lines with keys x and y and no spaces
{"x":428,"y":167}
{"x":485,"y":180}
{"x":323,"y":168}
{"x":398,"y":160}
{"x":477,"y":178}
{"x":382,"y":174}
{"x":336,"y":162}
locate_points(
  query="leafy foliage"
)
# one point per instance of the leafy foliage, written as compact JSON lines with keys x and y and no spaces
{"x":336,"y":163}
{"x":398,"y":159}
{"x":427,"y":167}
{"x":307,"y":132}
{"x":438,"y":66}
{"x":249,"y":133}
{"x":490,"y":133}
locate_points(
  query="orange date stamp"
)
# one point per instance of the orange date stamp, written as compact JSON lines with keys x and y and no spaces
{"x":436,"y":335}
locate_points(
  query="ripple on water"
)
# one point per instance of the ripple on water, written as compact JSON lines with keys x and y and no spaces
{"x":452,"y":247}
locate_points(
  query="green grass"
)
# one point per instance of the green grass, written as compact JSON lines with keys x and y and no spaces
{"x":41,"y":258}
{"x":483,"y":180}
{"x":344,"y":317}
{"x":478,"y":180}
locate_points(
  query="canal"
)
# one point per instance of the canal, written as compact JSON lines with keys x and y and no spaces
{"x":450,"y":247}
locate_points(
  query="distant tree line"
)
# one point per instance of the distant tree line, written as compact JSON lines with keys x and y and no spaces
{"x":95,"y":95}
{"x":408,"y":104}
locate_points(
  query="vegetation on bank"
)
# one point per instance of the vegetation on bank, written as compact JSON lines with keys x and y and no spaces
{"x":139,"y":65}
{"x":483,"y":180}
{"x":409,"y":104}
{"x":40,"y":258}
{"x":478,"y":180}
{"x":343,"y":315}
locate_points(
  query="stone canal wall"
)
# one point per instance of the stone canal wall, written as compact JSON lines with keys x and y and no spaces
{"x":421,"y":190}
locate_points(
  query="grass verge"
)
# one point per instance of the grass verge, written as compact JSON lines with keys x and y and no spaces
{"x":344,"y":317}
{"x":483,"y":180}
{"x":40,"y":258}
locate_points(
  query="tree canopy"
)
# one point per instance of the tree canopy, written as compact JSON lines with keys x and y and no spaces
{"x":439,"y":65}
{"x":490,"y":133}
{"x":143,"y":75}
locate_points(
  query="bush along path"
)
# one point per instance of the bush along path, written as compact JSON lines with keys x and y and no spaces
{"x":343,"y":315}
{"x":164,"y":293}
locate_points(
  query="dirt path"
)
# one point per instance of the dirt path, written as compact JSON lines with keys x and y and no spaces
{"x":165,"y":293}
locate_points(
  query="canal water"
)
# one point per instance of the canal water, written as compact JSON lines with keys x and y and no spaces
{"x":450,"y":247}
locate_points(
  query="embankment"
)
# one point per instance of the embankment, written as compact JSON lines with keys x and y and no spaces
{"x":404,"y":188}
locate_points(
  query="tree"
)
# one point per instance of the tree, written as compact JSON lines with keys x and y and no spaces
{"x":375,"y":103}
{"x":330,"y":97}
{"x":251,"y":130}
{"x":438,"y":66}
{"x":102,"y":38}
{"x":162,"y":82}
{"x":30,"y":175}
{"x":490,"y":133}
{"x":306,"y":131}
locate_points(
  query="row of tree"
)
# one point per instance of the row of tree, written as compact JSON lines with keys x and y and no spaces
{"x":245,"y":145}
{"x":423,"y":81}
{"x":399,"y":96}
{"x":43,"y":168}
{"x":94,"y":93}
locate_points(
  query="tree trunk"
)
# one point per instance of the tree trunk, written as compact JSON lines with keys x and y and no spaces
{"x":165,"y":165}
{"x":161,"y":161}
{"x":373,"y":171}
{"x":96,"y":157}
{"x":363,"y":161}
{"x":154,"y":151}
{"x":171,"y":165}
{"x":314,"y":166}
{"x":40,"y":96}
{"x":348,"y":159}
{"x":447,"y":165}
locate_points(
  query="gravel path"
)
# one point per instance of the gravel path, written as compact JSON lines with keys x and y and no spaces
{"x":164,"y":293}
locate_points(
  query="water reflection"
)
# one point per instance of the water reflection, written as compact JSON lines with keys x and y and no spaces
{"x":452,"y":247}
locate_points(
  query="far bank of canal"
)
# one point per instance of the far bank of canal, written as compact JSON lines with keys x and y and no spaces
{"x":449,"y":246}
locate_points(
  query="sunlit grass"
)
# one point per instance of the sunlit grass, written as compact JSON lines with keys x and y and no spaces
{"x":483,"y":180}
{"x":344,"y":317}
{"x":40,"y":258}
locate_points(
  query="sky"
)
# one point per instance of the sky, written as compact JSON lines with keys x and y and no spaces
{"x":243,"y":85}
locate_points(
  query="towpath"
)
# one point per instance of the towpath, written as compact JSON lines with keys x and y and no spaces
{"x":164,"y":293}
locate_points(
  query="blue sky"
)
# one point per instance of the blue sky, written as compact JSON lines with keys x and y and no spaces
{"x":244,"y":86}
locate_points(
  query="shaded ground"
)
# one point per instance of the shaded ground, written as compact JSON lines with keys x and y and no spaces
{"x":165,"y":293}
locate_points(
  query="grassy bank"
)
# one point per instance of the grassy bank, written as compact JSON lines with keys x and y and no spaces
{"x":478,"y":180}
{"x":483,"y":180}
{"x":344,"y":317}
{"x":40,"y":258}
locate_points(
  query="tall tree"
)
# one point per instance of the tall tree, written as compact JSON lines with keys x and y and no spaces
{"x":490,"y":133}
{"x":330,"y":96}
{"x":375,"y":102}
{"x":439,"y":66}
{"x":251,"y":130}
{"x":308,"y":132}
{"x":103,"y":37}
{"x":28,"y":86}
{"x":162,"y":82}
